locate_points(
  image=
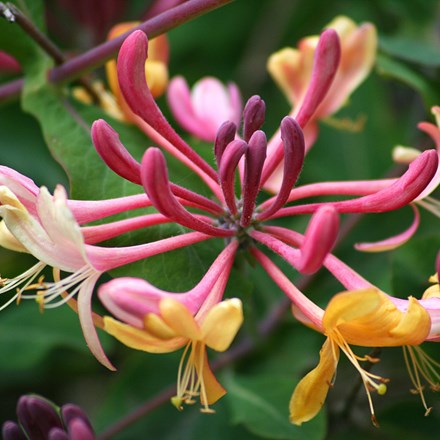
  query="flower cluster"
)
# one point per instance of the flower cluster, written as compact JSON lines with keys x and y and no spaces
{"x":318,"y":78}
{"x":40,"y":419}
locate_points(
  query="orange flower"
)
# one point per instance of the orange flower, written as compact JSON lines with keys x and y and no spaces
{"x":363,"y":317}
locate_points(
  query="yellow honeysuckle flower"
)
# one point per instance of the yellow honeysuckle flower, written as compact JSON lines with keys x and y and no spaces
{"x":176,"y":327}
{"x":367,"y":318}
{"x":156,"y":66}
{"x":292,"y":68}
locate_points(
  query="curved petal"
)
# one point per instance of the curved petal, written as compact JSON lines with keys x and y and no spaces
{"x":311,"y":392}
{"x":86,"y":320}
{"x":138,"y":339}
{"x":392,"y":242}
{"x":369,"y":318}
{"x":222,"y":324}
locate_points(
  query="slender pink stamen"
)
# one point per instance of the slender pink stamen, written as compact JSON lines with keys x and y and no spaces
{"x":154,"y":175}
{"x":228,"y":164}
{"x":131,"y":74}
{"x":255,"y":157}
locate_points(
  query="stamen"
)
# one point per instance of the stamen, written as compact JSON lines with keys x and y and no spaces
{"x":26,"y":277}
{"x":418,"y":363}
{"x":370,"y":380}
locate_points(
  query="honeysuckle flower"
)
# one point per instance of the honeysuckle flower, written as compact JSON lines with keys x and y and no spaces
{"x":213,"y":326}
{"x":406,"y":155}
{"x":364,"y":315}
{"x":203,"y":109}
{"x":38,"y":418}
{"x":292,"y":69}
{"x":244,"y":219}
{"x":367,"y":318}
{"x":56,"y":239}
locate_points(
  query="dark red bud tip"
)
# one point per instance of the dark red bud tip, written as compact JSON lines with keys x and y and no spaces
{"x":225,"y":135}
{"x":70,"y":412}
{"x":11,"y":431}
{"x":58,"y":434}
{"x":253,"y":116}
{"x":113,"y":153}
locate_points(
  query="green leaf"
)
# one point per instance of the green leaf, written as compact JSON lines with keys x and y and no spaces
{"x":407,"y":49}
{"x":27,"y":336}
{"x":399,"y":71}
{"x":260,"y":402}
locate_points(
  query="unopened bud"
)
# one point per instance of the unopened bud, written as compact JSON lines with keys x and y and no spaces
{"x":253,"y":116}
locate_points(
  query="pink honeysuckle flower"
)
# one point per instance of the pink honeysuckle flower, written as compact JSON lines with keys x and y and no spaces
{"x":244,"y":218}
{"x":292,"y":70}
{"x":156,"y":321}
{"x":55,"y":238}
{"x":203,"y":110}
{"x":241,"y":217}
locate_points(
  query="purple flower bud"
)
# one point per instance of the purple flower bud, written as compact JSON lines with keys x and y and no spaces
{"x":72,"y":412}
{"x":11,"y":431}
{"x":225,"y":135}
{"x":37,"y":416}
{"x":80,"y":430}
{"x":58,"y":434}
{"x":253,"y":116}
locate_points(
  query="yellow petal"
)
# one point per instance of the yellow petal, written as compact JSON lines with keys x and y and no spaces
{"x":213,"y":390}
{"x":139,"y":339}
{"x":222,"y":324}
{"x":179,"y":319}
{"x":8,"y":241}
{"x":311,"y":392}
{"x":432,"y":292}
{"x":155,"y":325}
{"x":369,"y":318}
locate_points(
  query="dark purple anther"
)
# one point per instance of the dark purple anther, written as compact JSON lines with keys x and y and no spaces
{"x":11,"y":431}
{"x":253,"y":116}
{"x":225,"y":135}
